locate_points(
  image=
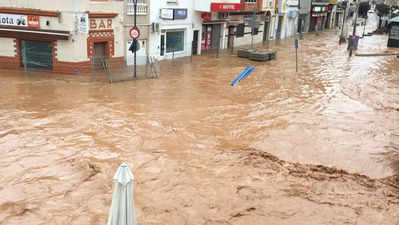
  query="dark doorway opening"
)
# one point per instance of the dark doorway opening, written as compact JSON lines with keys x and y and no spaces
{"x":195,"y":43}
{"x":99,"y":55}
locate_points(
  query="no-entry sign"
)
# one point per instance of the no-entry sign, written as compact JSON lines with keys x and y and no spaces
{"x":134,"y":33}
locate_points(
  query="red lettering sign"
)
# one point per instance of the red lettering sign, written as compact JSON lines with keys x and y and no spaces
{"x":34,"y":21}
{"x":206,"y":16}
{"x":225,"y":7}
{"x":100,"y":24}
{"x":93,"y":24}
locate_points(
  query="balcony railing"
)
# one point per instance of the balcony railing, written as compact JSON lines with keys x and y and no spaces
{"x":141,"y":7}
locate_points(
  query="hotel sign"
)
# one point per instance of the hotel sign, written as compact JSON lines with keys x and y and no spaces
{"x":225,"y":7}
{"x":166,"y":14}
{"x":19,"y":20}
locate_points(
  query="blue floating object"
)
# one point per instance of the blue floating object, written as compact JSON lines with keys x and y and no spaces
{"x":244,"y":74}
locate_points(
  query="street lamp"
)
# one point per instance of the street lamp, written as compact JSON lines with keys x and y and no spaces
{"x":135,"y":26}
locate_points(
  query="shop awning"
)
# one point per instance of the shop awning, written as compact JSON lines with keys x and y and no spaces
{"x":33,"y":34}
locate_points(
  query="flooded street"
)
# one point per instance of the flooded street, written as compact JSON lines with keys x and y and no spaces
{"x":312,"y":147}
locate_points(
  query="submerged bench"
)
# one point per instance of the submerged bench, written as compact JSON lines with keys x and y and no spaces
{"x":257,"y":55}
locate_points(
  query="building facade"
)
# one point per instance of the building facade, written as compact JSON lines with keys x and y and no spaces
{"x":319,"y":12}
{"x":143,"y":24}
{"x":175,"y":25}
{"x":304,"y":16}
{"x":331,"y":14}
{"x":60,"y":36}
{"x":269,"y":19}
{"x":288,"y":17}
{"x":233,"y":23}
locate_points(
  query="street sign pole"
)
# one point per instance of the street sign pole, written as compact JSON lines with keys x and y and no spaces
{"x":296,"y":54}
{"x":135,"y":24}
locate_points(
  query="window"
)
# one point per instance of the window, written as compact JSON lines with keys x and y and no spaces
{"x":250,"y":1}
{"x":174,"y":41}
{"x":36,"y":54}
{"x":141,"y":7}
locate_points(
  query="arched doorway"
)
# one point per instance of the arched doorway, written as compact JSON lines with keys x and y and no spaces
{"x":266,"y":29}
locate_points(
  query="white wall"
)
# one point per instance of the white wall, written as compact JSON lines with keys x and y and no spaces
{"x":247,"y":39}
{"x":7,"y":47}
{"x":202,"y":5}
{"x":74,"y":49}
{"x":192,"y":22}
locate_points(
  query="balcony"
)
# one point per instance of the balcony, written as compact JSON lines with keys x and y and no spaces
{"x":141,"y":7}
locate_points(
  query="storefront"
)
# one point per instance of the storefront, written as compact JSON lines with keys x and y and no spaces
{"x":175,"y":34}
{"x":393,"y":38}
{"x":211,"y":36}
{"x":217,"y":29}
{"x":34,"y":39}
{"x":172,"y":41}
{"x":25,"y":40}
{"x":319,"y":18}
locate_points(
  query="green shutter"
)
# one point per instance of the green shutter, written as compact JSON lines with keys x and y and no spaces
{"x":39,"y":54}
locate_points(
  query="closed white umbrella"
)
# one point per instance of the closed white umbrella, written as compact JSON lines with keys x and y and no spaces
{"x":122,"y":206}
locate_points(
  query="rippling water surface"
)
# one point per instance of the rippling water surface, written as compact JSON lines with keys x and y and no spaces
{"x":61,"y":139}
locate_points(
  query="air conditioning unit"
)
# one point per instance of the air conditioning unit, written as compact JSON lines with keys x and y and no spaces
{"x":155,"y":27}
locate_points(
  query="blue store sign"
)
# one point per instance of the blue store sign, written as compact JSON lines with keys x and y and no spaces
{"x":180,"y":13}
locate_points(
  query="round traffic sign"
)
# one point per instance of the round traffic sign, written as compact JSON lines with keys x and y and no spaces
{"x":134,"y":33}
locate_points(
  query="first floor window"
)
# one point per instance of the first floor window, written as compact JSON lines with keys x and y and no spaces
{"x":174,"y":41}
{"x":250,"y":1}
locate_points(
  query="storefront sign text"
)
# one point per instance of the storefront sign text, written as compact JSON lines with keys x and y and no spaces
{"x":225,"y":7}
{"x":100,"y":24}
{"x":206,"y":17}
{"x":292,"y":2}
{"x":166,"y":14}
{"x":19,"y":20}
{"x":82,"y":20}
{"x":179,"y":13}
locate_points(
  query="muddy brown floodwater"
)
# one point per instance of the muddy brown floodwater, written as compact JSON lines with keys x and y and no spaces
{"x":313,"y":147}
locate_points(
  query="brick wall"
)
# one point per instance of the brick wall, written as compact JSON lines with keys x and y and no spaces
{"x":249,"y":6}
{"x":67,"y":67}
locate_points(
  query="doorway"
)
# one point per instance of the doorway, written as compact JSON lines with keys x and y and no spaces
{"x":162,"y":45}
{"x":279,"y":26}
{"x":215,"y":44}
{"x":99,"y":55}
{"x":195,"y":43}
{"x":266,"y":29}
{"x":230,"y":40}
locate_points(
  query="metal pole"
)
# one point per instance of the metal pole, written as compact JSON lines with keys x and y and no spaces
{"x":364,"y":28}
{"x":350,"y":43}
{"x":296,"y":59}
{"x":24,"y":57}
{"x":342,"y":37}
{"x":354,"y":26}
{"x":299,"y":18}
{"x":135,"y":57}
{"x":296,"y":54}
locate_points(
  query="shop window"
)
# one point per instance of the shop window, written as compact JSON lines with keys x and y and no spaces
{"x":174,"y":41}
{"x":36,"y":54}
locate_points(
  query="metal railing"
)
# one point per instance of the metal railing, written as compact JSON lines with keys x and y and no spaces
{"x":142,"y":7}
